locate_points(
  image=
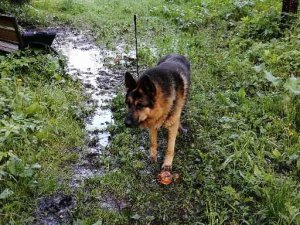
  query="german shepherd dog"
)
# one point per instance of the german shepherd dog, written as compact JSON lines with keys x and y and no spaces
{"x":156,"y":100}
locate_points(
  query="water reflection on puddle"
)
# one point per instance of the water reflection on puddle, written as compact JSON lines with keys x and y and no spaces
{"x":86,"y":63}
{"x":92,"y":66}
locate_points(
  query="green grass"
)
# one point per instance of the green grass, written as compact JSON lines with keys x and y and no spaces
{"x":38,"y":124}
{"x":240,"y":162}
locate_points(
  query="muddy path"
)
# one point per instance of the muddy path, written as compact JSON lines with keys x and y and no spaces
{"x":101,"y":72}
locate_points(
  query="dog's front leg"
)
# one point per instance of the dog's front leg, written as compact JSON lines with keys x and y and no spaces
{"x":172,"y":133}
{"x":153,"y":144}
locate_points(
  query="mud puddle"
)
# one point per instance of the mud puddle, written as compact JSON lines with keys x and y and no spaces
{"x":95,"y":67}
{"x":55,"y":210}
{"x":101,"y":71}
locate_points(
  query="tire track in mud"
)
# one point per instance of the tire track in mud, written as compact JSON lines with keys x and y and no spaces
{"x":95,"y":67}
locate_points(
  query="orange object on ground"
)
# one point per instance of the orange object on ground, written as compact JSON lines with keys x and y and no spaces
{"x":164,"y":177}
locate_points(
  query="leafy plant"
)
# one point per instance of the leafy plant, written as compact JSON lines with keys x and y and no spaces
{"x":239,"y":162}
{"x":36,"y":113}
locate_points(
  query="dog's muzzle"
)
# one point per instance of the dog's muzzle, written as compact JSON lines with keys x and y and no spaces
{"x":130,"y":122}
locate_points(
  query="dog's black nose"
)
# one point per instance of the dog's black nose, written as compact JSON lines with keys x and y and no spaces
{"x":128,"y":122}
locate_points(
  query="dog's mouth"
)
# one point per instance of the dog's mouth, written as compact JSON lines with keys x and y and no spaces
{"x":131,"y":123}
{"x":141,"y":123}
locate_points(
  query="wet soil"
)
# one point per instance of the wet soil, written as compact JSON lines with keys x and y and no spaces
{"x":55,"y":210}
{"x":101,"y":72}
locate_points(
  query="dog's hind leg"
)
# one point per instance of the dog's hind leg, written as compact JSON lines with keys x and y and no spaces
{"x":182,"y":130}
{"x":153,"y":144}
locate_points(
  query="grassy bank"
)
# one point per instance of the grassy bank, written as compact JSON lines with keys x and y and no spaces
{"x":41,"y":114}
{"x":239,"y":162}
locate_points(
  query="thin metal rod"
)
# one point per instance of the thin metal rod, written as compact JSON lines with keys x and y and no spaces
{"x":136,"y":46}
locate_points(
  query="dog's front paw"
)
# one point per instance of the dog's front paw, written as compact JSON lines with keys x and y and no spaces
{"x":153,"y":154}
{"x":153,"y":158}
{"x":166,"y":167}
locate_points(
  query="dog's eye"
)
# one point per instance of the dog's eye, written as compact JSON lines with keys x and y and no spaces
{"x":139,"y":106}
{"x":128,"y":104}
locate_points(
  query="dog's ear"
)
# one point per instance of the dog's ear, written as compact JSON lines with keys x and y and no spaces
{"x":148,"y":86}
{"x":130,"y":82}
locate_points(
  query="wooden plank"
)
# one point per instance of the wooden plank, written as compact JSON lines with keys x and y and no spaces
{"x":7,"y":21}
{"x":6,"y":27}
{"x":9,"y":30}
{"x":8,"y":47}
{"x":9,"y":36}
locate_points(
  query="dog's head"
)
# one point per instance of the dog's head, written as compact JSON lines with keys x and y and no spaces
{"x":140,"y":99}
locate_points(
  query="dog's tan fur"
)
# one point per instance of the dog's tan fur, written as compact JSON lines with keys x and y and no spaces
{"x":157,"y":100}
